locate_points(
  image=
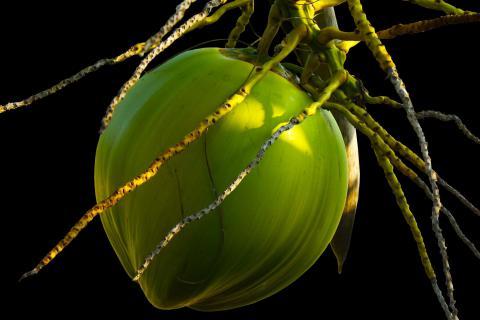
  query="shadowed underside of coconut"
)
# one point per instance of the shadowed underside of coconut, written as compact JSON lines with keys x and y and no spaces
{"x":268,"y":232}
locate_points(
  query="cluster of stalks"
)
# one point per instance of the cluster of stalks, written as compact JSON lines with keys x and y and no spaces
{"x":321,"y":49}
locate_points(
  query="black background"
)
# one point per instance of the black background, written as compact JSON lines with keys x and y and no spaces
{"x":48,"y":152}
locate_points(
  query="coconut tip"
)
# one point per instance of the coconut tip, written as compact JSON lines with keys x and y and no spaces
{"x":28,"y":274}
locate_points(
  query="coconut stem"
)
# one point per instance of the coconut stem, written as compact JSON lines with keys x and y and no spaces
{"x":242,"y":22}
{"x":273,"y":25}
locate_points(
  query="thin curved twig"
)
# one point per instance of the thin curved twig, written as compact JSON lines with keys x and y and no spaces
{"x":449,"y":117}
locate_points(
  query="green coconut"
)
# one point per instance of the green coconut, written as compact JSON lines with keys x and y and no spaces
{"x":268,"y":232}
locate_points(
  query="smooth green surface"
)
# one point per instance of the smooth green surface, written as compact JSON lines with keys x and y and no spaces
{"x":268,"y":232}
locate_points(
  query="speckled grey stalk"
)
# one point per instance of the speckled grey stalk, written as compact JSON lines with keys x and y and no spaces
{"x":459,"y":196}
{"x":419,"y":182}
{"x":180,"y":10}
{"x":180,"y":31}
{"x":449,"y":117}
{"x":437,"y":205}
